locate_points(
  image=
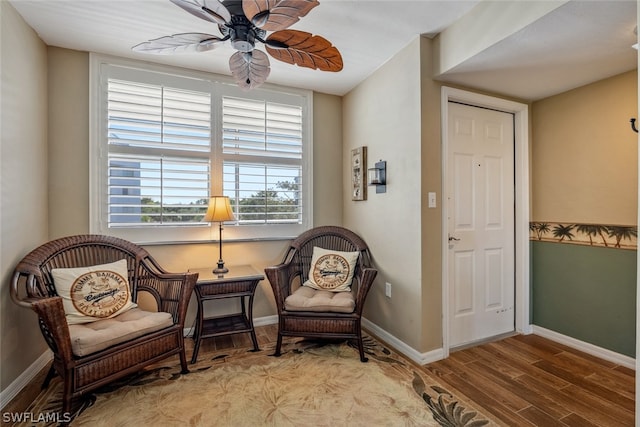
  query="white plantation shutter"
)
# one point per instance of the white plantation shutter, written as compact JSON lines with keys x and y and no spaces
{"x":157,"y":190}
{"x":262,"y":146}
{"x":260,"y":128}
{"x":155,"y":116}
{"x":166,"y":139}
{"x":159,"y":141}
{"x":258,"y":196}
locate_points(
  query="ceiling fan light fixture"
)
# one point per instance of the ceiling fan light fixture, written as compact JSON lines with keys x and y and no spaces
{"x":242,"y":34}
{"x":242,"y":45}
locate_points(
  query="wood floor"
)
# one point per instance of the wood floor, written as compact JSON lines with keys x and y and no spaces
{"x":527,"y":380}
{"x":518,"y":381}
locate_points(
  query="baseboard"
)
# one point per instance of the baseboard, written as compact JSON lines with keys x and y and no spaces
{"x":25,"y":378}
{"x":438,"y":354}
{"x":403,"y":348}
{"x":602,"y":353}
{"x":406,"y":350}
{"x":266,"y":320}
{"x":526,"y":329}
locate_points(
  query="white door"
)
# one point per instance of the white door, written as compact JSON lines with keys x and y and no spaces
{"x":480,"y":192}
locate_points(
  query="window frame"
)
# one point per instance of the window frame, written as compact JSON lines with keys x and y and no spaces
{"x":102,"y":67}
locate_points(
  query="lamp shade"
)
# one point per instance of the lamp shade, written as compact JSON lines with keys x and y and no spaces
{"x":219,"y":210}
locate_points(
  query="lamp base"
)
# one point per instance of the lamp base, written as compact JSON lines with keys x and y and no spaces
{"x":220,"y":269}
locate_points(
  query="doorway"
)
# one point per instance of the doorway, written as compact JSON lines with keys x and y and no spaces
{"x":480,"y":223}
{"x":517,"y":113}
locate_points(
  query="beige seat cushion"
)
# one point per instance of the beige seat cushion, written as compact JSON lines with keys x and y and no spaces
{"x":87,"y":338}
{"x":309,"y":299}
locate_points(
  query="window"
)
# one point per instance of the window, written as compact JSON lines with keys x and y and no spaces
{"x":262,"y":151}
{"x":159,"y":141}
{"x":163,"y":142}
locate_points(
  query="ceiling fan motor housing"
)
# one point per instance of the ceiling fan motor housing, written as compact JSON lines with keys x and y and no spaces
{"x":233,"y":6}
{"x":242,"y":33}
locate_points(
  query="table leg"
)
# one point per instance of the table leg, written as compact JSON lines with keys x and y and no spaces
{"x":250,"y":319}
{"x":198,"y":332}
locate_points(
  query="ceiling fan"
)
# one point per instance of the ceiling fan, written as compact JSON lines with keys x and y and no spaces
{"x":243,"y":22}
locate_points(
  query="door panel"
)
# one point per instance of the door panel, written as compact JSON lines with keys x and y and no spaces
{"x":463,"y":282}
{"x":480,"y":193}
{"x":463,"y":168}
{"x":493,"y":278}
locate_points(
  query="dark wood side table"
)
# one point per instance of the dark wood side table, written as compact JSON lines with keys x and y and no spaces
{"x":240,"y":282}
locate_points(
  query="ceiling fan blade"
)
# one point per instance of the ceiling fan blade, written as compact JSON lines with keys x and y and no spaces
{"x":304,"y":49}
{"x":250,"y":69}
{"x":274,"y":15}
{"x":209,"y":10}
{"x":185,"y":42}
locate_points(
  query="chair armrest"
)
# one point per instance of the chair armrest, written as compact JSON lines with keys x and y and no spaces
{"x":190,"y":280}
{"x":280,"y":277}
{"x":172,"y":291}
{"x":53,"y":322}
{"x":365,"y":279}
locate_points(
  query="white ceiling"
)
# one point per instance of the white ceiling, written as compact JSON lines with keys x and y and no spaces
{"x":580,"y":42}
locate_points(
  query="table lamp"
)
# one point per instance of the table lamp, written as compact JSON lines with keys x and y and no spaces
{"x":219,"y":210}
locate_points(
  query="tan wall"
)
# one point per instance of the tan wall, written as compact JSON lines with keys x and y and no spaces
{"x":68,"y":75}
{"x":23,"y":177}
{"x":431,"y":178}
{"x":327,"y":159}
{"x":584,"y":154}
{"x":383,"y":114}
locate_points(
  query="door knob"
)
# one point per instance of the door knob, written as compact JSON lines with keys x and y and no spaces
{"x":455,"y":239}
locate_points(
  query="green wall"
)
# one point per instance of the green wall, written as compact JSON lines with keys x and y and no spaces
{"x":585,"y":292}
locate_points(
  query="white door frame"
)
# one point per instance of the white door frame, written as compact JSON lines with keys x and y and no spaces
{"x":521,"y":164}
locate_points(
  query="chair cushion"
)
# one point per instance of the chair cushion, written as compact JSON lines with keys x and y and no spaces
{"x":88,"y":338}
{"x":308,"y":299}
{"x":93,"y":293}
{"x":331,"y":270}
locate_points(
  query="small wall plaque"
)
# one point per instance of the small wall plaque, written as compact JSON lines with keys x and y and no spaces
{"x":358,"y":173}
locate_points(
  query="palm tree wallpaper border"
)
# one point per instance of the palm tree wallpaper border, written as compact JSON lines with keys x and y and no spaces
{"x":611,"y":236}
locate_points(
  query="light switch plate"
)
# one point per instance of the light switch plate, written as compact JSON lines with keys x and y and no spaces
{"x":432,"y":199}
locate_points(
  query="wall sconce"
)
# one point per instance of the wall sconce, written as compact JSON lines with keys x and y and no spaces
{"x":378,"y":176}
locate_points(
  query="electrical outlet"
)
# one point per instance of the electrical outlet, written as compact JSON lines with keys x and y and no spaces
{"x":387,"y":289}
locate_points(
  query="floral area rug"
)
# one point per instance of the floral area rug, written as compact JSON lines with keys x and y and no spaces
{"x":313,"y":383}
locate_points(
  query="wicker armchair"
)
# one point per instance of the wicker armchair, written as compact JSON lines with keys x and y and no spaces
{"x":32,"y":287}
{"x":287,"y":277}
